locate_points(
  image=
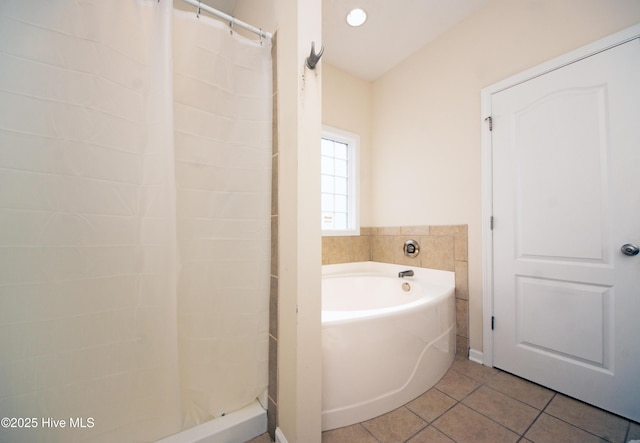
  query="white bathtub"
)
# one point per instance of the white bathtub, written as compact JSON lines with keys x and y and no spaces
{"x":382,"y":346}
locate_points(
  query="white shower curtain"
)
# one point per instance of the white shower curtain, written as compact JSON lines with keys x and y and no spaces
{"x":104,"y":336}
{"x":222,"y":113}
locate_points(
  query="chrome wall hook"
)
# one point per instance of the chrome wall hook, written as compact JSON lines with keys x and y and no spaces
{"x":314,"y":58}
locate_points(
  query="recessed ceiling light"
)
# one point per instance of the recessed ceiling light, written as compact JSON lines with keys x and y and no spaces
{"x":356,"y":17}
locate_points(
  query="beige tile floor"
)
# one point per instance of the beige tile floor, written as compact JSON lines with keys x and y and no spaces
{"x":473,"y":403}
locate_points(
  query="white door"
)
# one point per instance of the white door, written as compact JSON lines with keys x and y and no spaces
{"x":566,"y":198}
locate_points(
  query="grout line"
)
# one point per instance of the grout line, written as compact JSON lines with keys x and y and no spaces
{"x":426,"y":423}
{"x":601,"y":437}
{"x":555,"y":393}
{"x":438,"y":431}
{"x":484,"y":383}
{"x":492,"y":420}
{"x":369,"y":432}
{"x":446,"y":410}
{"x":460,"y":402}
{"x":541,"y":411}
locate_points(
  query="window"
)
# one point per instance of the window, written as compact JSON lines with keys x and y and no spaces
{"x":339,"y":182}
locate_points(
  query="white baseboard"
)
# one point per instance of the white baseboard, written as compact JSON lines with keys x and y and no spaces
{"x":476,"y":356}
{"x":280,"y":436}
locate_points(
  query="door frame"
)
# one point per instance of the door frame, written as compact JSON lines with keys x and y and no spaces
{"x":486,"y":356}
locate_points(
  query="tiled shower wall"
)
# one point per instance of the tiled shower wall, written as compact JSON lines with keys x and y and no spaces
{"x":441,"y":247}
{"x":272,"y":408}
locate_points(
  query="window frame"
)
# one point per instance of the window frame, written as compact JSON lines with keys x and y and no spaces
{"x":352,"y":141}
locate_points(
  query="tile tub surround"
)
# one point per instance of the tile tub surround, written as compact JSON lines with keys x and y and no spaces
{"x":441,"y":247}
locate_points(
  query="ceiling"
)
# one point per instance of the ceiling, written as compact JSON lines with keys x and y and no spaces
{"x":394,"y":30}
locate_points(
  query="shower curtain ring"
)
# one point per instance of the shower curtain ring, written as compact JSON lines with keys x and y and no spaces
{"x":198,"y":12}
{"x":231,"y":27}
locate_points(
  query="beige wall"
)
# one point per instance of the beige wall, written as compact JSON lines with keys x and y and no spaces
{"x":347,"y":105}
{"x":426,"y":112}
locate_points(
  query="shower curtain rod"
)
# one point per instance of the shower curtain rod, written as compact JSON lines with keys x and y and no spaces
{"x":232,"y":20}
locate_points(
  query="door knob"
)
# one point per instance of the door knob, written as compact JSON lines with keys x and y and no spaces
{"x":629,"y":249}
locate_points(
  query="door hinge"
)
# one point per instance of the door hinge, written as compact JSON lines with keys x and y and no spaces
{"x":490,"y":121}
{"x":493,"y":322}
{"x":491,"y":222}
